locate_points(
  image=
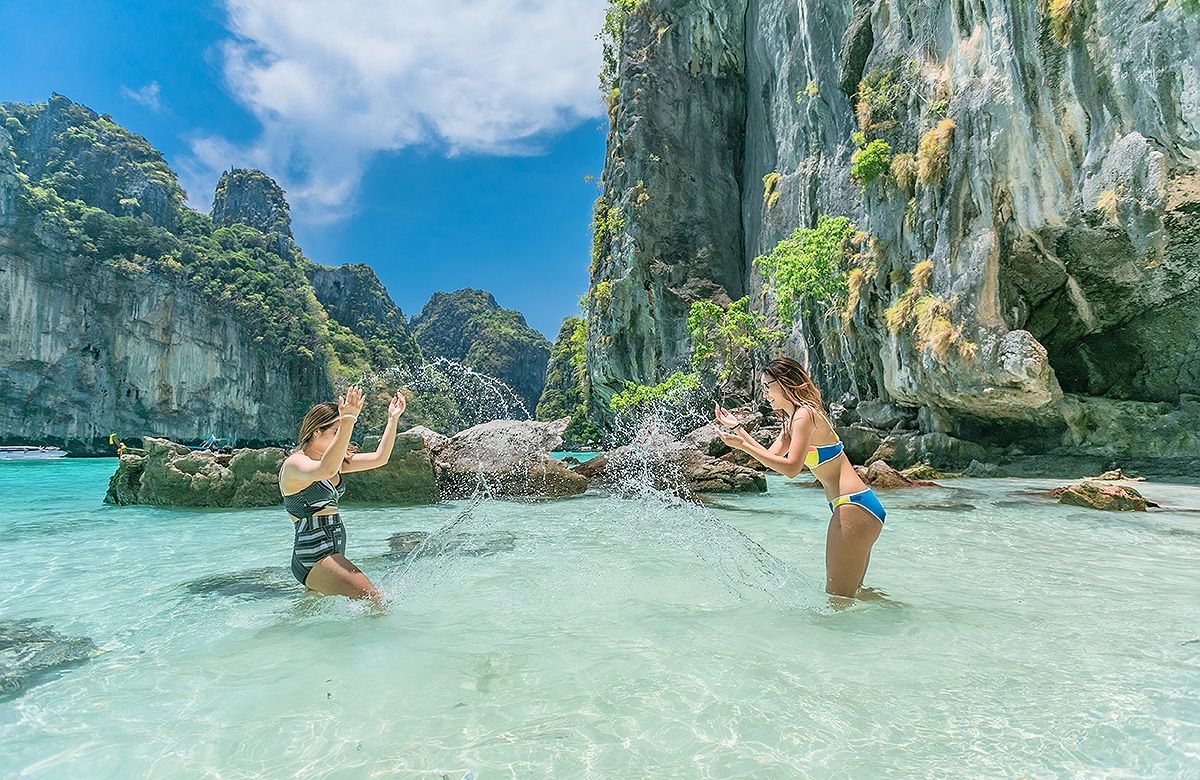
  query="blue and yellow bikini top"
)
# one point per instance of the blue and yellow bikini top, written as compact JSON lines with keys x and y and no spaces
{"x":823,"y":453}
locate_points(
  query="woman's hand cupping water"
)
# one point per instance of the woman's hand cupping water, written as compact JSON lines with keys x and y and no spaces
{"x":729,"y":428}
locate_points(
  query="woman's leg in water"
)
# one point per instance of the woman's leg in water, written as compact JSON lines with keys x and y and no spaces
{"x":852,"y":532}
{"x":334,"y":575}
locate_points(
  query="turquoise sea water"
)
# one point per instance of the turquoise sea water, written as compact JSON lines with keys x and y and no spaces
{"x":603,"y":637}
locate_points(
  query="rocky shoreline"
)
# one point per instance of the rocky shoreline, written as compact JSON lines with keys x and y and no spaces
{"x":512,"y":459}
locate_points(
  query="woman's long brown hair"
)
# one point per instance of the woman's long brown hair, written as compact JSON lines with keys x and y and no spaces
{"x":320,"y":417}
{"x":796,"y":383}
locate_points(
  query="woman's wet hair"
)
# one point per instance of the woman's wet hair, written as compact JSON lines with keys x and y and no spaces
{"x":795,"y":382}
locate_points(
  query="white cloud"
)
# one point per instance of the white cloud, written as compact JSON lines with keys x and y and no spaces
{"x":334,"y":83}
{"x":147,"y":95}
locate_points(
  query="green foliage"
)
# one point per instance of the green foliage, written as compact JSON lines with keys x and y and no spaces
{"x":90,"y":158}
{"x":603,"y":296}
{"x":581,"y":430}
{"x":566,"y":372}
{"x":362,"y":304}
{"x":469,"y":327}
{"x":725,"y":338}
{"x":229,"y":267}
{"x":771,"y":189}
{"x":635,"y":396}
{"x":881,"y":94}
{"x":611,"y":34}
{"x":265,"y":208}
{"x":607,"y":222}
{"x":612,"y":99}
{"x":566,"y":392}
{"x":870,"y":162}
{"x":810,"y":265}
{"x":808,"y":93}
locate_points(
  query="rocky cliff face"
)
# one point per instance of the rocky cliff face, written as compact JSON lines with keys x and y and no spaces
{"x":84,"y":156}
{"x":563,"y":394}
{"x":667,"y":227}
{"x":92,"y":345}
{"x":252,"y":198}
{"x":1030,"y":252}
{"x":353,"y":296}
{"x":469,"y":327}
{"x":122,"y":311}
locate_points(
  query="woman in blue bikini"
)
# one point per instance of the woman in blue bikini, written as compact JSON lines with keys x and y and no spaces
{"x":809,"y":441}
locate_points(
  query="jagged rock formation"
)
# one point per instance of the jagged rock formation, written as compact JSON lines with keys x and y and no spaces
{"x":84,"y":156}
{"x":116,"y":324}
{"x":354,"y":297}
{"x":252,"y":198}
{"x":123,"y":311}
{"x":109,"y":321}
{"x":469,"y":327}
{"x":1027,"y":276}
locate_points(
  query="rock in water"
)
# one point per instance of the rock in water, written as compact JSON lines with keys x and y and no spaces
{"x":1097,"y":495}
{"x":880,"y":475}
{"x":677,"y":466}
{"x":30,"y":653}
{"x":171,"y":475}
{"x":506,"y":458}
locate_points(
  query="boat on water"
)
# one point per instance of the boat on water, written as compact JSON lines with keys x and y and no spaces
{"x":26,"y":452}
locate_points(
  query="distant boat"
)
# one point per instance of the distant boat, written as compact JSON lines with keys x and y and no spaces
{"x":211,"y":444}
{"x":31,"y":453}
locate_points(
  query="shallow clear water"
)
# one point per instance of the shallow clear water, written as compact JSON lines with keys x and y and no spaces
{"x":609,"y":638}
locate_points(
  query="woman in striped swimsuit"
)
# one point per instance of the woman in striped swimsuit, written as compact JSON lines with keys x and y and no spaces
{"x":808,"y":440}
{"x":311,"y":481}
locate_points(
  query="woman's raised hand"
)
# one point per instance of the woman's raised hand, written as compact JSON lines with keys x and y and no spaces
{"x":351,"y":402}
{"x":724,"y":418}
{"x":397,"y":406}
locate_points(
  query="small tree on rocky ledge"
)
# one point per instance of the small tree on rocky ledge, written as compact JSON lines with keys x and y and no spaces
{"x":725,"y":340}
{"x":810,"y":266}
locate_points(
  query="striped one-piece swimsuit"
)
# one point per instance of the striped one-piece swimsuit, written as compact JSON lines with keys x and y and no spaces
{"x":316,"y":537}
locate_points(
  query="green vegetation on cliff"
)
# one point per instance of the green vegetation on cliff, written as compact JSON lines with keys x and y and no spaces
{"x":724,"y":340}
{"x":231,"y":267}
{"x":673,"y":389}
{"x":469,"y":327}
{"x":810,"y":266}
{"x":353,"y":296}
{"x":566,"y":391}
{"x":83,"y":156}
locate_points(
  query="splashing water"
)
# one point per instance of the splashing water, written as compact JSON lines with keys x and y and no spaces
{"x":464,"y":396}
{"x":644,"y":505}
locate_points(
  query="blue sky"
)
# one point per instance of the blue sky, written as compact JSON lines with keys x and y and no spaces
{"x":445,"y":144}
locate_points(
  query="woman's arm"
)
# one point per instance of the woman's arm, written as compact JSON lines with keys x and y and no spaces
{"x":363,"y":461}
{"x":310,"y":470}
{"x":791,"y":462}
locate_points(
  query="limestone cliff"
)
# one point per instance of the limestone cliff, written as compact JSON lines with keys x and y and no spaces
{"x":122,"y":311}
{"x":252,"y":198}
{"x":353,"y":296}
{"x":566,"y":391}
{"x":469,"y":327}
{"x":1028,"y":267}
